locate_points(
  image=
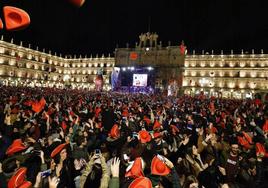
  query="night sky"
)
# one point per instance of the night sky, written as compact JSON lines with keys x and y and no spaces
{"x":99,"y":25}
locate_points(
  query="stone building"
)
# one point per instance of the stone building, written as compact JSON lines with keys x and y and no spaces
{"x":166,"y":62}
{"x":23,"y":66}
{"x":231,"y":76}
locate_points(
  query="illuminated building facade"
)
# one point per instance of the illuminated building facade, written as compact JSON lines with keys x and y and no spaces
{"x":231,"y":76}
{"x":164,"y":63}
{"x":21,"y":66}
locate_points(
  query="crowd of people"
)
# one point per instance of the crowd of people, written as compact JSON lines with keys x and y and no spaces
{"x":75,"y":138}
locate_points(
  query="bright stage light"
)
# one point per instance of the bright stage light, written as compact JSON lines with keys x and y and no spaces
{"x":150,"y":68}
{"x":124,"y":68}
{"x":132,"y":68}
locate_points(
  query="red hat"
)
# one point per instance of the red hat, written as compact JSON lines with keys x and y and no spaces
{"x":142,"y":182}
{"x":265,"y":126}
{"x":26,"y":184}
{"x":15,"y":18}
{"x":247,"y":137}
{"x":174,"y":129}
{"x":63,"y":125}
{"x":144,"y":136}
{"x":257,"y":102}
{"x":50,"y":111}
{"x":157,"y":125}
{"x":260,"y":149}
{"x":97,"y":112}
{"x":18,"y":178}
{"x":147,"y":120}
{"x":222,"y":125}
{"x":212,"y":130}
{"x":135,"y":169}
{"x":157,"y":135}
{"x":159,"y":168}
{"x":243,"y":142}
{"x":57,"y":150}
{"x":125,"y":113}
{"x":115,"y":132}
{"x":28,"y":103}
{"x":71,"y":113}
{"x":15,"y":110}
{"x":15,"y":147}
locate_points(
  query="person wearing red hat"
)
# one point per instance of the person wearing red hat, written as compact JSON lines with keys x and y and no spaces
{"x":63,"y":166}
{"x":114,"y":133}
{"x":162,"y":166}
{"x":158,"y":166}
{"x":147,"y":120}
{"x":15,"y":147}
{"x":174,"y":129}
{"x":141,"y":182}
{"x":157,"y":135}
{"x":157,"y":125}
{"x":18,"y":180}
{"x":243,"y":142}
{"x":265,"y":126}
{"x":135,"y":169}
{"x":125,"y":113}
{"x":26,"y":184}
{"x":159,"y":144}
{"x":144,"y":136}
{"x":260,"y":150}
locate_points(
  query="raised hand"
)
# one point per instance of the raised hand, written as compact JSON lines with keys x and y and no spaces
{"x":168,"y":163}
{"x":53,"y":182}
{"x":115,"y":167}
{"x":222,"y":170}
{"x":38,"y":180}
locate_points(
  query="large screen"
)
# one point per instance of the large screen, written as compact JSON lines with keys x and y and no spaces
{"x":140,"y":80}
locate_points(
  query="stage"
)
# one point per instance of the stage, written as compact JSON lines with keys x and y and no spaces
{"x":133,"y":79}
